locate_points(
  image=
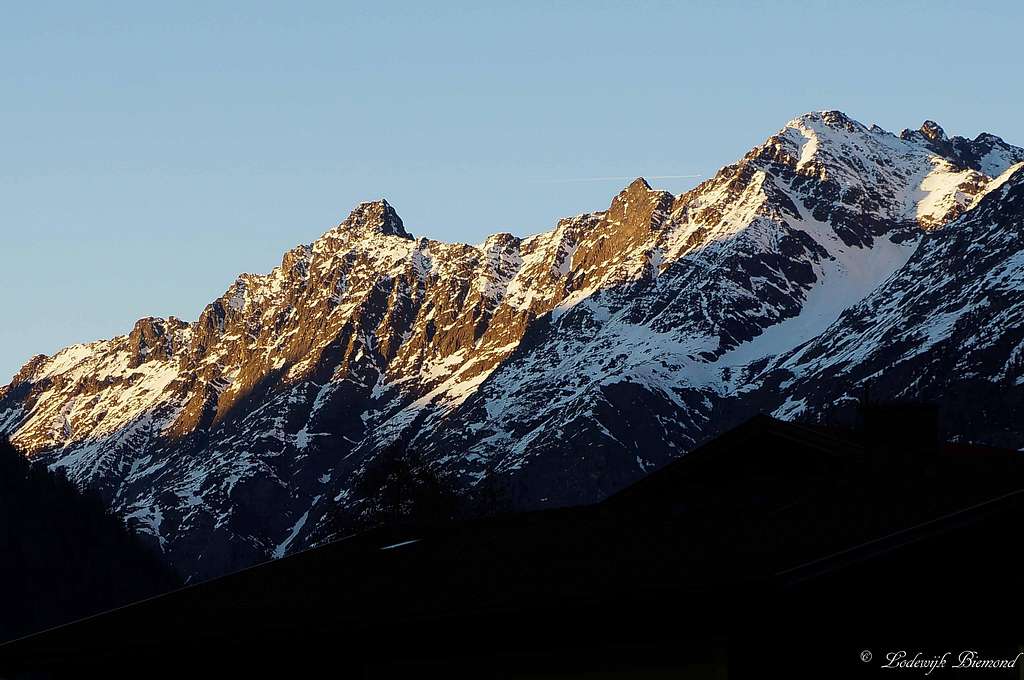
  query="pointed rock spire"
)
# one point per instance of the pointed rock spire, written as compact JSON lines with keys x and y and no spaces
{"x":376,"y":217}
{"x":933,"y":131}
{"x":637,"y":185}
{"x":638,"y":205}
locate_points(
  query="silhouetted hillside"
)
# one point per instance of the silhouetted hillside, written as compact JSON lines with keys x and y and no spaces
{"x":63,"y":555}
{"x":776,"y":550}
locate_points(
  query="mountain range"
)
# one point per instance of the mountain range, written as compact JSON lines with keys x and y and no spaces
{"x":562,"y":366}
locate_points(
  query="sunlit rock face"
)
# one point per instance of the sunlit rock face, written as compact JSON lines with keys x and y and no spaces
{"x":563,"y":365}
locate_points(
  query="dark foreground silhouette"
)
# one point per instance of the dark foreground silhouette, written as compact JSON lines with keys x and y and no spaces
{"x":776,"y":550}
{"x":63,"y":556}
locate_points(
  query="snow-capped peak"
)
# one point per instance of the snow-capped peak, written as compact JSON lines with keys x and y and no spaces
{"x":572,"y":360}
{"x":986,"y":153}
{"x":876,"y":173}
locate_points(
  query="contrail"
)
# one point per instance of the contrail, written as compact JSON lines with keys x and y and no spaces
{"x":614,"y":179}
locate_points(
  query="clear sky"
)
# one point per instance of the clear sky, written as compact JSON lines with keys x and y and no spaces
{"x":150,"y":152}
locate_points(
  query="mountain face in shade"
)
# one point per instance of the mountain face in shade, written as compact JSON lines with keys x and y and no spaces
{"x":986,"y":153}
{"x":63,"y":555}
{"x":563,"y":365}
{"x":947,"y":327}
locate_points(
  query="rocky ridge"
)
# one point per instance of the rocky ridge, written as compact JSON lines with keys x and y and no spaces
{"x":565,"y":364}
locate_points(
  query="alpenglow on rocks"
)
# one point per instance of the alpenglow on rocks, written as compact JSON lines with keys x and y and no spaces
{"x":563,"y":365}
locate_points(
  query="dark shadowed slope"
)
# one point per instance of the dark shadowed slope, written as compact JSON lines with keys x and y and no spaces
{"x":776,"y":550}
{"x":63,"y":555}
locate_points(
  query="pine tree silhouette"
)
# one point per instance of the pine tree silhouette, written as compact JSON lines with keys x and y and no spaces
{"x":401,"y":489}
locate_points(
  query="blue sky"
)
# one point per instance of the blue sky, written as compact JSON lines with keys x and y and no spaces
{"x":151,"y":152}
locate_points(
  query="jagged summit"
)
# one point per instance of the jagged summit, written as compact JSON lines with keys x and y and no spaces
{"x":638,"y":206}
{"x":637,"y":185}
{"x":562,"y":365}
{"x":988,"y":138}
{"x":831,"y":117}
{"x":986,"y":153}
{"x":836,"y":120}
{"x":375,"y":217}
{"x":933,"y":131}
